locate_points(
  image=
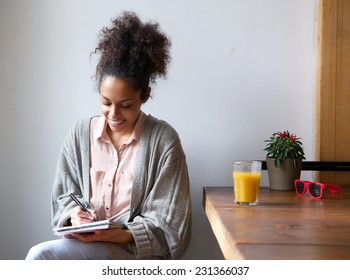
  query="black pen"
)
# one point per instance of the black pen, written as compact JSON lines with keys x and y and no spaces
{"x":80,"y":204}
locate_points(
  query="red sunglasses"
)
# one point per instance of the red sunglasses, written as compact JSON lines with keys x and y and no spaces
{"x":314,"y":189}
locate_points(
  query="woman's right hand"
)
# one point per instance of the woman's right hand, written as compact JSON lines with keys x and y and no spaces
{"x":78,"y":216}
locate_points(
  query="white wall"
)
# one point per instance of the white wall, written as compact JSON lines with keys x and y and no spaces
{"x":241,"y":70}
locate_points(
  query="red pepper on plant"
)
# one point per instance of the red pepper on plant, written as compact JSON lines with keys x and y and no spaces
{"x":283,"y":145}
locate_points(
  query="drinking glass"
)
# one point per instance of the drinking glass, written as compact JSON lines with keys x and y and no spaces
{"x":246,"y":181}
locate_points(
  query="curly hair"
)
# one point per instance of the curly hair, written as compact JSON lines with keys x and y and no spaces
{"x":135,"y":51}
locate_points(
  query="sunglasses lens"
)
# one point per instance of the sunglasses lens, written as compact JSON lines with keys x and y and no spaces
{"x":315,"y":190}
{"x":300,"y":187}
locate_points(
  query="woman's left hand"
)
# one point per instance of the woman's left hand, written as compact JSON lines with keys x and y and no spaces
{"x":106,"y":235}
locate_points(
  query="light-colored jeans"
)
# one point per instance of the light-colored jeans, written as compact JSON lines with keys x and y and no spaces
{"x":74,"y":249}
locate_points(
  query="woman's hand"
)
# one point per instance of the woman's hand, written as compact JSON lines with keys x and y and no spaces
{"x":78,"y":216}
{"x":107,"y":235}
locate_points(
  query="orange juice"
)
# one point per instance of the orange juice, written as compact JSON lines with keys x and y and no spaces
{"x":246,"y":185}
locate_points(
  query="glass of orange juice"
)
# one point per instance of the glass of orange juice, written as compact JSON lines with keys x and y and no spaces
{"x":246,"y":181}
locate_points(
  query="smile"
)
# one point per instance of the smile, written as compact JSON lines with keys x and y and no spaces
{"x":116,"y":122}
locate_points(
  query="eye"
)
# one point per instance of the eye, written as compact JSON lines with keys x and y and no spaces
{"x":106,"y":103}
{"x":126,"y":106}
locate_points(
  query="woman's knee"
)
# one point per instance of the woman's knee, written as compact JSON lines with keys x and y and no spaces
{"x":39,"y":252}
{"x":68,"y":249}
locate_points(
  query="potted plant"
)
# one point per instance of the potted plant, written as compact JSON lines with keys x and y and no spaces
{"x":285,"y":153}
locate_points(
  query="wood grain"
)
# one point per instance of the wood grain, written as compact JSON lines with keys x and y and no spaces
{"x":333,"y":87}
{"x":282,"y":226}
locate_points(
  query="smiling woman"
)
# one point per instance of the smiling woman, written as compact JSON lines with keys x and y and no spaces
{"x":125,"y":166}
{"x":121,"y":106}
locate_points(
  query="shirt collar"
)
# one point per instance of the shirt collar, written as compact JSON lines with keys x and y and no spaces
{"x":100,"y":132}
{"x":136,"y":134}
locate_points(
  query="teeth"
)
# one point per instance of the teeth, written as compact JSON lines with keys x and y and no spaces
{"x":117,"y":123}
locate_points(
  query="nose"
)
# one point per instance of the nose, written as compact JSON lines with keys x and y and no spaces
{"x":114,"y":112}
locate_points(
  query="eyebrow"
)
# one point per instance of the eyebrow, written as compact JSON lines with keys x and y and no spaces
{"x":129,"y":99}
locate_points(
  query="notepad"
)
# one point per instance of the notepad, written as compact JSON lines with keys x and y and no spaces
{"x":86,"y":228}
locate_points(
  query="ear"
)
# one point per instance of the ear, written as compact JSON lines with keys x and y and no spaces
{"x":146,"y":95}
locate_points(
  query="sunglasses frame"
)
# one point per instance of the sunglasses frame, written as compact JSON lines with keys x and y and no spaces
{"x":331,"y":188}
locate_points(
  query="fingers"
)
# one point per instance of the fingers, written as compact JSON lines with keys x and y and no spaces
{"x":90,"y":237}
{"x":94,"y":214}
{"x":109,"y":235}
{"x":97,"y":235}
{"x":78,"y":216}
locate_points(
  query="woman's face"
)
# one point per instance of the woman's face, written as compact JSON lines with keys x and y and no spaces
{"x":120,"y":104}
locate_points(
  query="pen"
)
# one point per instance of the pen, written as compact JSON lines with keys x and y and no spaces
{"x":80,"y":204}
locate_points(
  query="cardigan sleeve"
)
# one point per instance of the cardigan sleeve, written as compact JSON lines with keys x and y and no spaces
{"x":161,"y":223}
{"x":68,"y":178}
{"x":163,"y":226}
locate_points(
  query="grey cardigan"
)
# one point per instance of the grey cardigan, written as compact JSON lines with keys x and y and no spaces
{"x":160,"y":208}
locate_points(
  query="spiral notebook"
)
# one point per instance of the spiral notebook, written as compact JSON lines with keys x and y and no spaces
{"x":86,"y":228}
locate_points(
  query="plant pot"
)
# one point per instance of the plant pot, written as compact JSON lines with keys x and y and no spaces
{"x":282,"y":178}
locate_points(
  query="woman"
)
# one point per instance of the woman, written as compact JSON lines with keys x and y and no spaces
{"x":126,"y":166}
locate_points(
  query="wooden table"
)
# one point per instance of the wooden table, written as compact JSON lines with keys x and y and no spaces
{"x":283,"y":226}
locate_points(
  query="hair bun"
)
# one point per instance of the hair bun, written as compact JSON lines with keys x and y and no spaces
{"x":130,"y":49}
